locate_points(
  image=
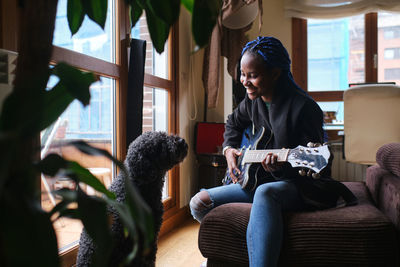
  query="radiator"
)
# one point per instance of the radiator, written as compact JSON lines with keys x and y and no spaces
{"x":345,"y":171}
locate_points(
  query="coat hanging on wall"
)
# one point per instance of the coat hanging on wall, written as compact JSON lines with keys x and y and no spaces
{"x":227,"y":39}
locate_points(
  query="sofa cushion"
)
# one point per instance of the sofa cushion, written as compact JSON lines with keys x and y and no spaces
{"x":388,"y":157}
{"x":356,"y":235}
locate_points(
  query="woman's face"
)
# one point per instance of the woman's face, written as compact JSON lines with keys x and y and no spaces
{"x":256,"y":78}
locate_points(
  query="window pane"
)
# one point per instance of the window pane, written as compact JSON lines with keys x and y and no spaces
{"x":155,"y":116}
{"x":333,"y":114}
{"x":93,"y":124}
{"x":91,"y":39}
{"x":155,"y":109}
{"x":335,"y":53}
{"x":156,"y":64}
{"x":389,"y":47}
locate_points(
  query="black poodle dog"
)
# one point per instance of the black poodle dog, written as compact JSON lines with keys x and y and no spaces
{"x":148,"y":159}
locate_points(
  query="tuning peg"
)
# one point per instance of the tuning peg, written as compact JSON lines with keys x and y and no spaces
{"x":302,"y":172}
{"x":309,"y":173}
{"x":317,"y":144}
{"x":316,"y":175}
{"x":325,"y":144}
{"x":310,"y":144}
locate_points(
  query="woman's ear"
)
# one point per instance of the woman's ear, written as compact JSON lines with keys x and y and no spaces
{"x":276,"y":73}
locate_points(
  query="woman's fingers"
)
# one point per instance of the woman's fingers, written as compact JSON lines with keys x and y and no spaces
{"x":231,"y":154}
{"x":270,"y":162}
{"x":234,"y":172}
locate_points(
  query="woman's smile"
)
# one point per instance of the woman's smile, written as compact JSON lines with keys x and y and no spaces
{"x":251,"y":91}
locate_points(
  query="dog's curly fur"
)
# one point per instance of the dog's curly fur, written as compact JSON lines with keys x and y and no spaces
{"x":148,"y":159}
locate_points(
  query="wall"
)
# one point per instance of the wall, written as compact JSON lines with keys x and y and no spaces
{"x":191,"y":91}
{"x":191,"y":103}
{"x":274,"y":23}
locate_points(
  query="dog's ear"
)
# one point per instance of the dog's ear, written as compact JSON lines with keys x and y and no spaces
{"x":179,"y":148}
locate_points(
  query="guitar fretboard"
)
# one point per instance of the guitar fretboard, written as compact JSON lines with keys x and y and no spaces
{"x":257,"y":156}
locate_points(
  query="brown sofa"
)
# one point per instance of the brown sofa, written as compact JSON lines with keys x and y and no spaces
{"x":363,"y":235}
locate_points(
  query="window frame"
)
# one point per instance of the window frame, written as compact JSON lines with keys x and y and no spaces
{"x":171,"y":203}
{"x":300,"y":57}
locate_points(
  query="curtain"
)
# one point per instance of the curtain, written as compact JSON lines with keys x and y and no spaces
{"x":328,"y":9}
{"x":134,"y":109}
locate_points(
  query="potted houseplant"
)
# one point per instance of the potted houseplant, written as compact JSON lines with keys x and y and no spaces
{"x":27,"y":235}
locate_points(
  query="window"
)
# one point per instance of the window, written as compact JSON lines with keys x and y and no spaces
{"x":388,"y":48}
{"x":391,"y":32}
{"x":392,"y":74}
{"x":391,"y":53}
{"x":102,"y":123}
{"x":339,"y":52}
{"x":335,"y":49}
{"x":89,"y":49}
{"x":159,"y":94}
{"x":91,"y":39}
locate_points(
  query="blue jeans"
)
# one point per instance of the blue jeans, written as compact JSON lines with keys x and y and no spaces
{"x":265,"y":229}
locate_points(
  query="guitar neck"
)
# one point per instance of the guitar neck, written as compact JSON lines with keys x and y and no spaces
{"x":257,"y":156}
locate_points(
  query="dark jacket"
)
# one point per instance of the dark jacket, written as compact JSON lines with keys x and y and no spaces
{"x":295,"y":119}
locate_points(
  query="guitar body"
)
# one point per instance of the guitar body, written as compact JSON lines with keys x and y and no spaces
{"x":250,"y":172}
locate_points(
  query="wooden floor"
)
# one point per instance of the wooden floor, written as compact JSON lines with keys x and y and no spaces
{"x":178,"y":248}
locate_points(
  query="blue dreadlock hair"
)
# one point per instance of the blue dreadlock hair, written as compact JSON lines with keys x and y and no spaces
{"x":274,"y":55}
{"x":271,"y":50}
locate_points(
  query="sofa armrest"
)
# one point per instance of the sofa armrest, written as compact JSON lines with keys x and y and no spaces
{"x":383,"y":181}
{"x":388,"y":157}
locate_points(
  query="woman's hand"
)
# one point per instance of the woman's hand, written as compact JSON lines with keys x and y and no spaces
{"x":270,"y":163}
{"x":231,"y":155}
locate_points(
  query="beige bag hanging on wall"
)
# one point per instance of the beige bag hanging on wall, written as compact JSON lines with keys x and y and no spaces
{"x":228,"y":39}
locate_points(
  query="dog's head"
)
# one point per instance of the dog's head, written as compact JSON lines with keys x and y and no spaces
{"x":153,"y":153}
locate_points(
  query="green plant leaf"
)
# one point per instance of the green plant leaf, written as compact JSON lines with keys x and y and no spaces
{"x":18,"y":115}
{"x":68,"y":195}
{"x":94,"y":151}
{"x":96,"y":10}
{"x":77,"y":172}
{"x":60,"y":207}
{"x":93,"y":213}
{"x":158,"y":29}
{"x":51,"y":164}
{"x":75,"y":15}
{"x":136,"y":12}
{"x":75,"y":81}
{"x":188,"y":4}
{"x":28,"y":229}
{"x":129,"y":223}
{"x":9,"y":146}
{"x":205,"y":13}
{"x":49,"y":105}
{"x":166,"y":10}
{"x":70,"y":213}
{"x":54,"y":103}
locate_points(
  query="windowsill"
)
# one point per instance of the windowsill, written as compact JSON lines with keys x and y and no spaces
{"x":334,"y":126}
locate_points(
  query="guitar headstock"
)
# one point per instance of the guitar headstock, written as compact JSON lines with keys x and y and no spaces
{"x":313,"y":157}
